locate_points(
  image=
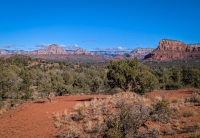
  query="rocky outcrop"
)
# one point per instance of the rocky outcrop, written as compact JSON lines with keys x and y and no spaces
{"x":79,"y":51}
{"x":140,"y":53}
{"x":4,"y":52}
{"x":56,"y":50}
{"x":52,"y":49}
{"x":10,"y":52}
{"x":173,"y":50}
{"x":124,"y":56}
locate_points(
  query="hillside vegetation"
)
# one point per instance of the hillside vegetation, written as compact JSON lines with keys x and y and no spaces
{"x":132,"y":113}
{"x":23,"y":78}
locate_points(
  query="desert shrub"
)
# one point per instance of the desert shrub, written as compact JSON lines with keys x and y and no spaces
{"x":188,"y":113}
{"x":161,"y":111}
{"x":127,"y":122}
{"x":161,"y":107}
{"x":189,"y":129}
{"x":172,"y":86}
{"x":15,"y":102}
{"x":118,"y":116}
{"x":122,"y":115}
{"x":195,"y":135}
{"x":195,"y":98}
{"x":1,"y":103}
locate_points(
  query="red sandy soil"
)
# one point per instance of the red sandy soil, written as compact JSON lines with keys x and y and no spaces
{"x":35,"y":119}
{"x":176,"y":94}
{"x":180,"y":94}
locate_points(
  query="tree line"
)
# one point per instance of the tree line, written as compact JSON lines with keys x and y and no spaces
{"x":20,"y":80}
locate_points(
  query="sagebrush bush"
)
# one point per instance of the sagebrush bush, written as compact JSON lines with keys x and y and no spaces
{"x":195,"y":135}
{"x":195,"y":98}
{"x":2,"y":103}
{"x":188,"y":113}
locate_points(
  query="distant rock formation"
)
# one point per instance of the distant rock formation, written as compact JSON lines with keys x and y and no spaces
{"x":4,"y":52}
{"x":52,"y":49}
{"x":79,"y":51}
{"x":10,"y":52}
{"x":110,"y":53}
{"x":140,"y":53}
{"x":125,"y":55}
{"x":172,"y":50}
{"x":56,"y":50}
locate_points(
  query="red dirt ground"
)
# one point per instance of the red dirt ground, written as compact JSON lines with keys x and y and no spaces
{"x":179,"y":94}
{"x":35,"y":119}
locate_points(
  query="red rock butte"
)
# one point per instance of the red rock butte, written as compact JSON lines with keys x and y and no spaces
{"x":173,"y":50}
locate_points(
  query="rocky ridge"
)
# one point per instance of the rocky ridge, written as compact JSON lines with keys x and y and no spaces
{"x":56,"y":50}
{"x":173,"y":50}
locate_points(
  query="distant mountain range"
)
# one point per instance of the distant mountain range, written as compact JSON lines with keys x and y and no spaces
{"x":50,"y":50}
{"x":167,"y":50}
{"x":54,"y":51}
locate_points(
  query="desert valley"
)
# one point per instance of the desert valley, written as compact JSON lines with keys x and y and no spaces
{"x":100,"y":69}
{"x":56,"y":93}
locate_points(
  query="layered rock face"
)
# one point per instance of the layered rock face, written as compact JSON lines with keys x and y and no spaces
{"x":172,"y":50}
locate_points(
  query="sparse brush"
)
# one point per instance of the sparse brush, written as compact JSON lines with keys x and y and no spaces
{"x":195,"y":98}
{"x":71,"y":132}
{"x":195,"y":135}
{"x":188,"y":113}
{"x":67,"y":117}
{"x":174,"y":100}
{"x":58,"y":124}
{"x":56,"y":116}
{"x":89,"y":127}
{"x":129,"y":107}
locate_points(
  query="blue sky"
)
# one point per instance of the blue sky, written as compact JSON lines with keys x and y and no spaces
{"x":97,"y":24}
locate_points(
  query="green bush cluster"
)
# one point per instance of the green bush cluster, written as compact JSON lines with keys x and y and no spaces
{"x":19,"y":79}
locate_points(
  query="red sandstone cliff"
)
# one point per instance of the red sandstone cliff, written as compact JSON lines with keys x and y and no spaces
{"x":172,"y":50}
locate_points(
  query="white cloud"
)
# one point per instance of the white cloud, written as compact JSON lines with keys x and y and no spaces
{"x":66,"y":47}
{"x":118,"y":48}
{"x":74,"y":47}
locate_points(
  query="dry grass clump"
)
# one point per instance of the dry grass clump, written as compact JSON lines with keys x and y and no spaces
{"x":89,"y":117}
{"x":188,"y":113}
{"x":195,"y":98}
{"x":124,"y":115}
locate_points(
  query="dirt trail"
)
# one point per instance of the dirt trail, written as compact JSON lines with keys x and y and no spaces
{"x":34,"y":119}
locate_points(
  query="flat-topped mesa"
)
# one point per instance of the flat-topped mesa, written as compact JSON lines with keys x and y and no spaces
{"x":171,"y":45}
{"x":173,"y":50}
